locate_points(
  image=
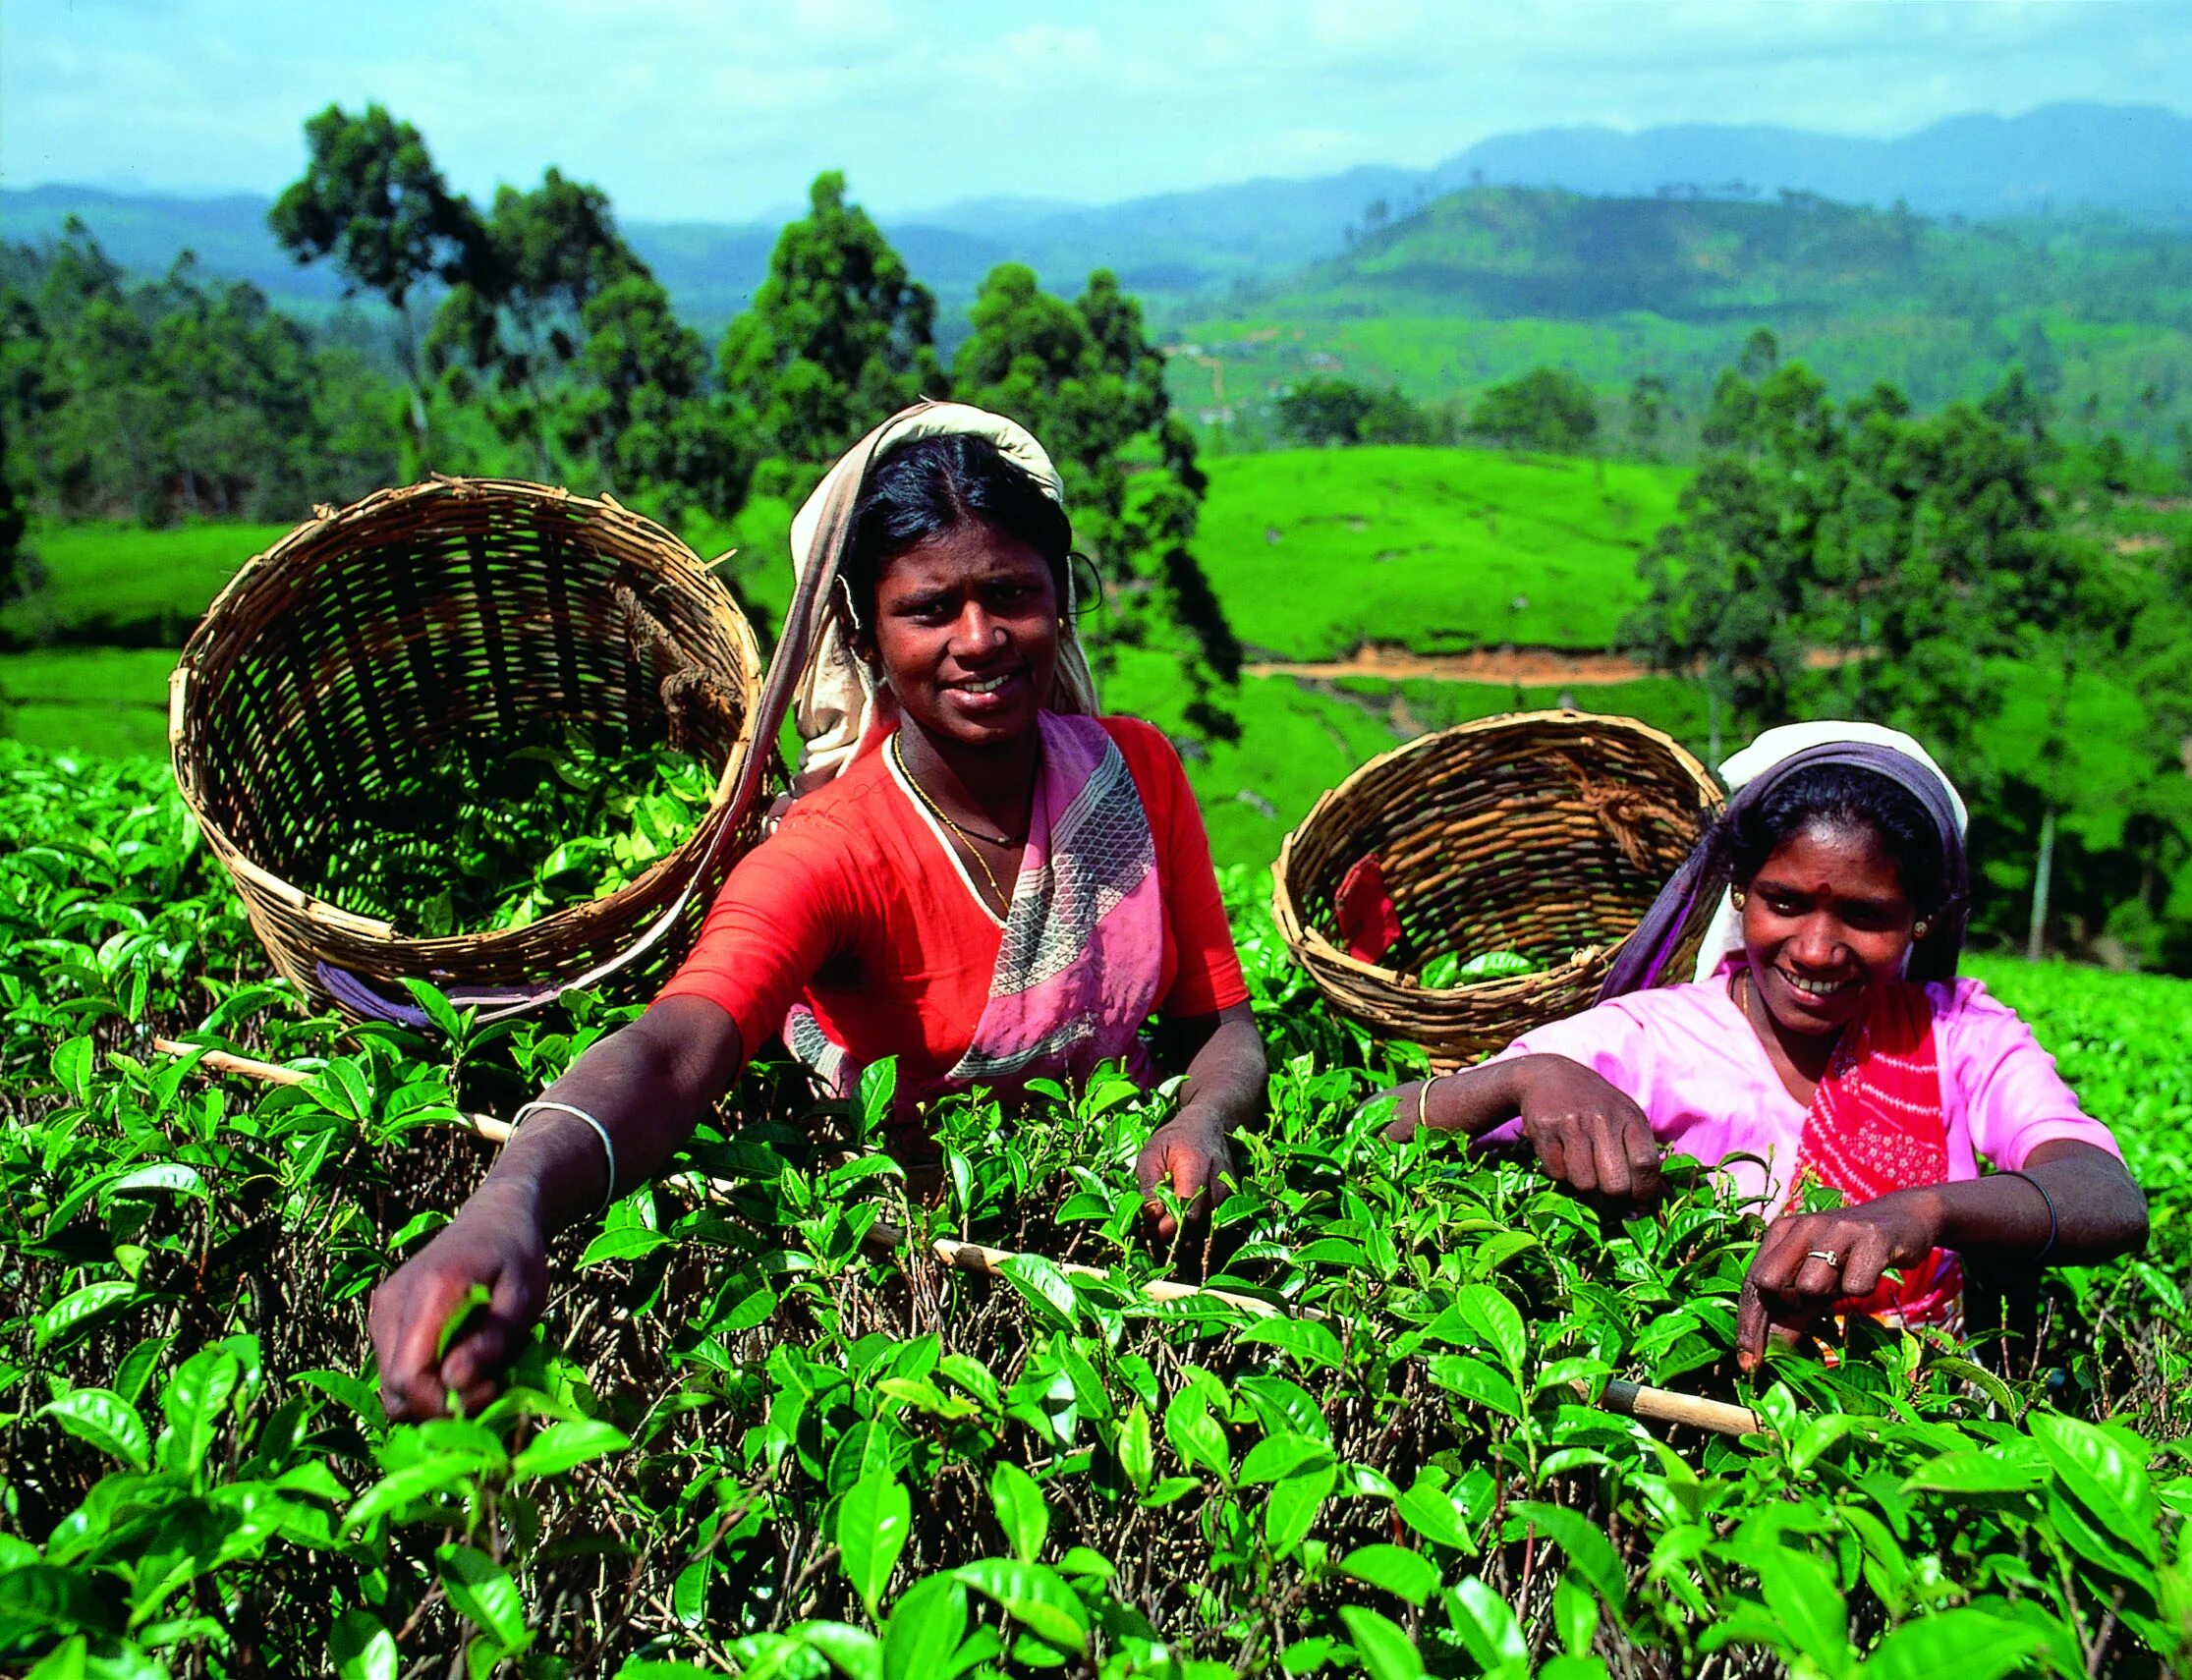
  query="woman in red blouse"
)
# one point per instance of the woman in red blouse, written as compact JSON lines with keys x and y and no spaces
{"x":979,"y":878}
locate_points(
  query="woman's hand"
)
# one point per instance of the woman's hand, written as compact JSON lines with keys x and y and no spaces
{"x":1793,"y":1282}
{"x":1591,"y":1137}
{"x":495,"y":1243}
{"x":1190,"y":1155}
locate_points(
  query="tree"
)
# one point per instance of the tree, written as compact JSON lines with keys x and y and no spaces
{"x":640,"y":409}
{"x":1084,"y":378}
{"x":372,"y":200}
{"x":1649,"y":406}
{"x":839,"y":336}
{"x":11,"y":523}
{"x":1761,"y":353}
{"x":1546,"y":408}
{"x":1865,"y":563}
{"x":177,"y":395}
{"x":517,"y":318}
{"x":1325,"y":411}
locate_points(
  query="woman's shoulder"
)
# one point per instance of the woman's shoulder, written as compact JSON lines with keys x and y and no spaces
{"x":839,"y":822}
{"x":1136,"y":735}
{"x":1964,"y":1010}
{"x":1659,"y":1014}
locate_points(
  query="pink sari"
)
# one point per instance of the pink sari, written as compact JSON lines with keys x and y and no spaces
{"x":1078,"y":961}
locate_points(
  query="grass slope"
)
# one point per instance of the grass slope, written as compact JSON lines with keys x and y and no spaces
{"x":106,"y":701}
{"x":129,"y":585}
{"x":1314,"y":551}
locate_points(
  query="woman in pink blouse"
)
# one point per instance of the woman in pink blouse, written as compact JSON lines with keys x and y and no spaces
{"x":1825,"y":1035}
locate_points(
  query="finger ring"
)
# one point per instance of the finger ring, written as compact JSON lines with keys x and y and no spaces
{"x":1829,"y":1256}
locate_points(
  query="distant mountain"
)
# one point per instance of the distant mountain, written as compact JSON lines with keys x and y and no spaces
{"x":2135,"y":160}
{"x":1499,"y":252}
{"x":1478,"y":285}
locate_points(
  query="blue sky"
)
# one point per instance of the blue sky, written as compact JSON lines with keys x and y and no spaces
{"x":723,"y":110}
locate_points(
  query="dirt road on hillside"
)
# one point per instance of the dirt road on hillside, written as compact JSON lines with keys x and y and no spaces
{"x":1530,"y":667}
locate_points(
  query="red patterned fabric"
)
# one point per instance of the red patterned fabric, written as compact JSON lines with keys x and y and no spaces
{"x":1876,"y":1125}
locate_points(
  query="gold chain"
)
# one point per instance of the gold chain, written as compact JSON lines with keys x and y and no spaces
{"x":965,"y":834}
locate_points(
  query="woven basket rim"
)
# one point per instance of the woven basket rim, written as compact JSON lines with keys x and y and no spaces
{"x":270,"y":564}
{"x":1303,"y":935}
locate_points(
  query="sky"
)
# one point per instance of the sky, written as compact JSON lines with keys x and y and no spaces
{"x":723,"y":110}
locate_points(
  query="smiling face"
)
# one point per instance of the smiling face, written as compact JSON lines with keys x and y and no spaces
{"x":1825,"y":920}
{"x":966,"y":631}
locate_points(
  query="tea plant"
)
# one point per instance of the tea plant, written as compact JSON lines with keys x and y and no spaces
{"x":496,"y":837}
{"x":758,"y":1434}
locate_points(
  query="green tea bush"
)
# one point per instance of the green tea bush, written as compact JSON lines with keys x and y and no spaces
{"x":756,"y":1436}
{"x":501,"y":834}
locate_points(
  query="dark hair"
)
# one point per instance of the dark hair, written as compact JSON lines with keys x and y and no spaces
{"x":922,"y":489}
{"x":1839,"y":796}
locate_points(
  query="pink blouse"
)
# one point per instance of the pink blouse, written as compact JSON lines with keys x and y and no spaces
{"x":1687,"y":1057}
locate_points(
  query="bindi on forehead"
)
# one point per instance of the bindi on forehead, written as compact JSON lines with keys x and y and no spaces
{"x":1834,"y":860}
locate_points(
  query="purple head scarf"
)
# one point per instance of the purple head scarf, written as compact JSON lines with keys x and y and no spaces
{"x":1752,"y":776}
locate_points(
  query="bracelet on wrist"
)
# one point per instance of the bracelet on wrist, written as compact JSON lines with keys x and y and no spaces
{"x":608,"y":1148}
{"x":1423,"y":1099}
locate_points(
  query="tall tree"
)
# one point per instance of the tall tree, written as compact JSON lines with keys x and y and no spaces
{"x":1084,"y":378}
{"x":839,"y":336}
{"x":372,"y":200}
{"x":638,"y":406}
{"x":516,"y":320}
{"x":12,"y":522}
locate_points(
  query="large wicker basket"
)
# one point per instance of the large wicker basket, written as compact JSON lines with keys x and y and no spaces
{"x":1543,"y":833}
{"x":340,"y":668}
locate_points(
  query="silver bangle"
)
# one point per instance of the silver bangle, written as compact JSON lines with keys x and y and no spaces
{"x":600,"y":1131}
{"x":1423,"y":1099}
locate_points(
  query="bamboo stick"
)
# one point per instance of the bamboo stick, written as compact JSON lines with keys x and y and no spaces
{"x":1627,"y":1399}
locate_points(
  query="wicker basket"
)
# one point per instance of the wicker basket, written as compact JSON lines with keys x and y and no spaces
{"x":339,"y":668}
{"x":1545,"y":833}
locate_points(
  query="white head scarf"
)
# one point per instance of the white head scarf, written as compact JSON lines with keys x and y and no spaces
{"x":1723,"y":934}
{"x":842,"y":711}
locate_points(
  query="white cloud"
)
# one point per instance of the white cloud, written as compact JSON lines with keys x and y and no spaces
{"x":708,"y":108}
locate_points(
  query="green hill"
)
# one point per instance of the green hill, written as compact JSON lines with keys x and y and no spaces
{"x":1482,"y":284}
{"x":1318,"y":551}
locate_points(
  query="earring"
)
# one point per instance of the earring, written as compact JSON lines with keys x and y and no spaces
{"x":1738,"y":898}
{"x":1919,"y":930}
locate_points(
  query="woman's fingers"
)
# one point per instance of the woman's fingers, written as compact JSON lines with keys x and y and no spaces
{"x":1643,"y":1153}
{"x":408,"y":1313}
{"x":1869,"y":1254}
{"x":1766,"y":1286}
{"x":474,"y":1361}
{"x":1553,"y":1150}
{"x":1804,"y":1265}
{"x":1193,"y":1168}
{"x":1610,"y":1150}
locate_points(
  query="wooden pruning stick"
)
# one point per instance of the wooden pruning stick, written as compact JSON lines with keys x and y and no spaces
{"x":1628,"y":1399}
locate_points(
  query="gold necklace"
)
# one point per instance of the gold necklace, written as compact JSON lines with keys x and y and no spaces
{"x":965,"y":834}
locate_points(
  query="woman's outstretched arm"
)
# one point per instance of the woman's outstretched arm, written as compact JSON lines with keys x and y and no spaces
{"x":648,"y":1085}
{"x":1590,"y":1135}
{"x":2080,"y":1207}
{"x":1226,"y":1087}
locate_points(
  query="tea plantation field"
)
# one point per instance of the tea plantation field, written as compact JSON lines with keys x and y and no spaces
{"x":759,"y":1436}
{"x":1314,"y":553}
